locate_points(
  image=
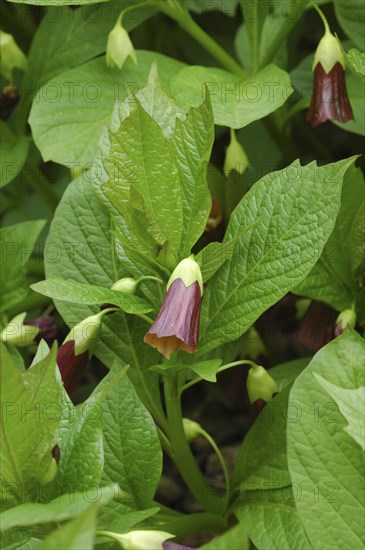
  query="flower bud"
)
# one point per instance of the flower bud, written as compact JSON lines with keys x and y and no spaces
{"x":73,"y":355}
{"x":140,"y":540}
{"x":260,"y":385}
{"x":126,"y":285}
{"x":346,"y":318}
{"x":192,"y":429}
{"x":236,"y":158}
{"x":11,"y":55}
{"x":17,"y":334}
{"x":177,"y":324}
{"x":119,"y":47}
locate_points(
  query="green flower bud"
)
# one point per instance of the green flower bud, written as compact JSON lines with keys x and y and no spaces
{"x":85,"y":334}
{"x":127,"y":285}
{"x":11,"y":55}
{"x":50,"y":473}
{"x":119,"y":47}
{"x":140,"y":540}
{"x":260,"y":385}
{"x":19,"y":334}
{"x":236,"y":158}
{"x":192,"y":429}
{"x":329,"y":53}
{"x":188,"y":270}
{"x":346,"y":318}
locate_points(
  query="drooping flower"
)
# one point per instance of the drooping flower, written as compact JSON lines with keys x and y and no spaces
{"x":261,"y":387}
{"x":76,"y":350}
{"x":139,"y":540}
{"x":329,"y":98}
{"x":236,"y":158}
{"x":177,"y":324}
{"x":119,"y":47}
{"x":21,"y":333}
{"x":346,"y":319}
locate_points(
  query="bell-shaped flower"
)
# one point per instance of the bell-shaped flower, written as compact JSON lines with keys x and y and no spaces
{"x":21,"y":333}
{"x":119,"y":47}
{"x":76,"y":350}
{"x":329,"y":98}
{"x":177,"y":324}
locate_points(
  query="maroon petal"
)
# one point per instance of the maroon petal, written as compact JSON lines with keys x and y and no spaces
{"x":71,"y":366}
{"x":177,"y":324}
{"x":329,"y":99}
{"x":47,"y":328}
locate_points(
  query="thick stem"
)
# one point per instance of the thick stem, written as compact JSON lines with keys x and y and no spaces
{"x":188,"y":24}
{"x":182,"y":454}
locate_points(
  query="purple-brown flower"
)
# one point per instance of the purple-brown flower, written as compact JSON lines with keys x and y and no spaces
{"x":329,"y":98}
{"x":46,"y":326}
{"x":76,"y":350}
{"x":177,"y":324}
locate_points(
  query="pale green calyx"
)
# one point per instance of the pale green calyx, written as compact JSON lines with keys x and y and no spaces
{"x":119,"y":47}
{"x":127,"y":285}
{"x":139,"y":540}
{"x":18,"y":334}
{"x":260,"y":385}
{"x":191,"y":429}
{"x":328,"y":53}
{"x":188,"y":271}
{"x":236,"y":158}
{"x":11,"y":55}
{"x":86,"y":333}
{"x":346,"y":319}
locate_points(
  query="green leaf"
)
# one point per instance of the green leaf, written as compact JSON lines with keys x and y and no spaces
{"x":207,"y":370}
{"x":236,"y":537}
{"x":274,"y":509}
{"x":77,"y":534}
{"x":264,"y":466}
{"x":81,"y":448}
{"x":293,"y":208}
{"x":17,"y":242}
{"x":356,"y":62}
{"x":62,"y":40}
{"x":334,"y":279}
{"x":236,"y":102}
{"x":13,"y":152}
{"x":285,"y":374}
{"x":132,"y":450}
{"x":118,"y":517}
{"x":65,"y":507}
{"x":325,"y":461}
{"x":78,"y":293}
{"x":29,"y":425}
{"x":80,"y":247}
{"x":85,"y":100}
{"x":351,"y":404}
{"x":351,"y":17}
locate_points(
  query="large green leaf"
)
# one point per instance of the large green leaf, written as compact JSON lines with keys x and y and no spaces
{"x":293,"y":208}
{"x":273,"y":519}
{"x":82,"y":248}
{"x":132,"y":450}
{"x":264,"y":466}
{"x":29,"y":425}
{"x":17,"y":242}
{"x":351,"y":16}
{"x":164,"y":202}
{"x":85,"y":99}
{"x":77,"y":534}
{"x":325,"y":461}
{"x":335,"y":278}
{"x":69,"y":291}
{"x":236,"y":102}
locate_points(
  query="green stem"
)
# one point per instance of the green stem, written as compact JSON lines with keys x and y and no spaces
{"x":188,"y":24}
{"x":200,"y":522}
{"x":181,"y":452}
{"x":149,"y":278}
{"x":221,"y":369}
{"x":255,"y":39}
{"x":221,"y":460}
{"x":322,"y":16}
{"x":279,"y":38}
{"x":35,"y":267}
{"x":145,"y":318}
{"x":165,"y":443}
